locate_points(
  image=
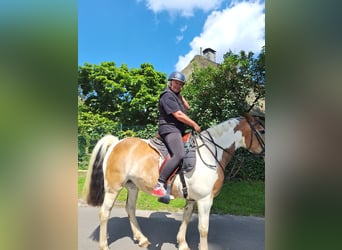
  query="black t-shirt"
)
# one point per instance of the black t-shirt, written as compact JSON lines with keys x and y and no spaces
{"x":169,"y":102}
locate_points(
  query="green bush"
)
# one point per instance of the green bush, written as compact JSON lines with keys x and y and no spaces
{"x":245,"y":166}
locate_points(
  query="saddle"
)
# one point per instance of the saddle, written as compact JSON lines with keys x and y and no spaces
{"x":189,"y":160}
{"x":186,"y":165}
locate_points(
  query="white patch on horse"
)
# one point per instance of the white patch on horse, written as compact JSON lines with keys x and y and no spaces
{"x":104,"y":166}
{"x":224,"y":136}
{"x":240,"y":141}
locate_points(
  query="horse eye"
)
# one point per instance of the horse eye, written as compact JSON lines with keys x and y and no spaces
{"x":262,"y":131}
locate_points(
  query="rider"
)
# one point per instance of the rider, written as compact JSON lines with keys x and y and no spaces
{"x":172,"y":121}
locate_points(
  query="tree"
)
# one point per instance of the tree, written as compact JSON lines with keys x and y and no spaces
{"x":142,"y":94}
{"x":122,"y":95}
{"x":91,"y":127}
{"x":219,"y":93}
{"x":99,"y":86}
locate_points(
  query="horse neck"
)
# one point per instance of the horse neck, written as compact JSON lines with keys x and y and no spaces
{"x":227,"y":136}
{"x":223,"y":133}
{"x":220,"y":142}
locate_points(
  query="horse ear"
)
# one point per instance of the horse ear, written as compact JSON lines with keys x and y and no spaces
{"x":249,"y":117}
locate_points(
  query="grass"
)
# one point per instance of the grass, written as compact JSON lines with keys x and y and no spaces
{"x":145,"y":201}
{"x":241,"y":198}
{"x":236,"y":198}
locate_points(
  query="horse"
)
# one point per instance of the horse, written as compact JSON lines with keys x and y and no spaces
{"x":132,"y":163}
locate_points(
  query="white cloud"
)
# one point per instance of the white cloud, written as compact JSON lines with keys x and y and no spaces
{"x":184,"y":7}
{"x":238,"y":27}
{"x":183,"y":28}
{"x":179,"y":38}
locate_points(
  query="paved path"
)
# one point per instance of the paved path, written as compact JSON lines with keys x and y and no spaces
{"x":225,"y":232}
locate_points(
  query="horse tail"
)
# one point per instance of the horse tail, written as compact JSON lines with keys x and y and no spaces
{"x":93,"y":191}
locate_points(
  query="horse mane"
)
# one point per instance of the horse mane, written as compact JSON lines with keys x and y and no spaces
{"x":223,"y":126}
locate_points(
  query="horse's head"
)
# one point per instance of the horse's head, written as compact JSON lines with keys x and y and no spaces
{"x":253,"y":131}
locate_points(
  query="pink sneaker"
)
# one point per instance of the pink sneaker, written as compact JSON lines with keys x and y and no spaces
{"x":159,"y":190}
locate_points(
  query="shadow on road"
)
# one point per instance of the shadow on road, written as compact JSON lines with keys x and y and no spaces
{"x":225,"y":232}
{"x":158,"y":228}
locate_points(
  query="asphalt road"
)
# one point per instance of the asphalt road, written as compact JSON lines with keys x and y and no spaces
{"x":225,"y":232}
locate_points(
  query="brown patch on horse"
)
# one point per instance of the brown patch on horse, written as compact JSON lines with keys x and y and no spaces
{"x":132,"y":154}
{"x":245,"y":129}
{"x":249,"y":117}
{"x":252,"y":143}
{"x":226,"y":157}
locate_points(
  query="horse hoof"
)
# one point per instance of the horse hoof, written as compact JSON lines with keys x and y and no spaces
{"x":183,"y":247}
{"x":144,"y":243}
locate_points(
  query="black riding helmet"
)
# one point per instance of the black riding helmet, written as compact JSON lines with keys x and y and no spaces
{"x":176,"y":75}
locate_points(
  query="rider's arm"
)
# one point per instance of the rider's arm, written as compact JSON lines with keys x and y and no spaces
{"x":180,"y":116}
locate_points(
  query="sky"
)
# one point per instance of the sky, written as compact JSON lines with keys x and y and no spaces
{"x":167,"y":33}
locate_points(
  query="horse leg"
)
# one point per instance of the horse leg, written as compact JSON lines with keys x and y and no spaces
{"x":182,"y":245}
{"x":104,"y":213}
{"x":132,"y":195}
{"x":204,"y":206}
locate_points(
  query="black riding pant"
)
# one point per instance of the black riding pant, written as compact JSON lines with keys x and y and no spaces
{"x":175,"y":146}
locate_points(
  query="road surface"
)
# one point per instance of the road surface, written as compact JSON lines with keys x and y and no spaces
{"x":226,"y":232}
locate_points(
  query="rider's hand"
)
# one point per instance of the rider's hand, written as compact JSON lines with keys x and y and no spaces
{"x":197,"y":128}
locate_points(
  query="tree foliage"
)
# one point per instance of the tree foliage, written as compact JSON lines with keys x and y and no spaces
{"x":91,"y":127}
{"x":116,"y":100}
{"x":122,"y":95}
{"x":219,"y":93}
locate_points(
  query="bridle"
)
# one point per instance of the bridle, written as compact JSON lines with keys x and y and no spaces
{"x":210,"y":139}
{"x":258,"y":134}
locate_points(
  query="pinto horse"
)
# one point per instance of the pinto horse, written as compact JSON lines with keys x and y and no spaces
{"x":132,"y":163}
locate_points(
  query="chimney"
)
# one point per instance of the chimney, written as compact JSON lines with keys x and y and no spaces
{"x":201,"y":51}
{"x":210,"y":54}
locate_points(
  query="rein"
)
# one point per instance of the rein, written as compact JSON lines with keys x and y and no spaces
{"x":210,"y":139}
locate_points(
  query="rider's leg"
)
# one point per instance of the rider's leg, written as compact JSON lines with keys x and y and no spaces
{"x":174,"y":143}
